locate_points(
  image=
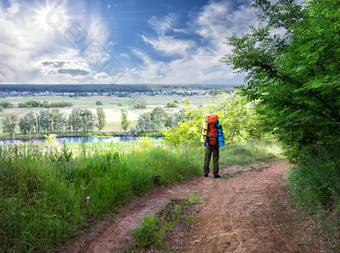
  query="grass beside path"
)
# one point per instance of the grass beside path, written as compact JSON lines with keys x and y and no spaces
{"x":47,"y":196}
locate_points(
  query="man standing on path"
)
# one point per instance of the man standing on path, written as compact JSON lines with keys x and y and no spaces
{"x":212,"y":136}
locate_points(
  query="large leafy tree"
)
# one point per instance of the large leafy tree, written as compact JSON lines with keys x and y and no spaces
{"x":294,"y":74}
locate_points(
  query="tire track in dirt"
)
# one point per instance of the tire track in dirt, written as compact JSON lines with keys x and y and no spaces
{"x":239,"y":215}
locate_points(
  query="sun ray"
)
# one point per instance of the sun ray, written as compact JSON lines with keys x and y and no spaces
{"x":51,"y":16}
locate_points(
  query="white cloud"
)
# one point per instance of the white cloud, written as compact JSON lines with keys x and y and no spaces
{"x":195,"y":61}
{"x":60,"y":67}
{"x":27,"y":39}
{"x":33,"y":52}
{"x":125,"y":55}
{"x":169,"y":45}
{"x":163,"y":25}
{"x":102,"y":76}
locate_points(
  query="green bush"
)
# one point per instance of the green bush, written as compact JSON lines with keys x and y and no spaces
{"x":139,"y":106}
{"x":6,"y":104}
{"x":315,"y":186}
{"x":315,"y":182}
{"x":171,"y":105}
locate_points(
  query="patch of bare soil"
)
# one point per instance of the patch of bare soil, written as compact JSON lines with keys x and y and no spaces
{"x":247,"y":213}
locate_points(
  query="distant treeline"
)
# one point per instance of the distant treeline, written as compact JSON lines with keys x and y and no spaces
{"x":45,"y":104}
{"x":100,"y":88}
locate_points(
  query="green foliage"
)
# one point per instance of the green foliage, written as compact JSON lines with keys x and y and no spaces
{"x":9,"y":123}
{"x":46,"y":196}
{"x":171,"y":105}
{"x":317,"y":180}
{"x":99,"y":103}
{"x":1,"y":108}
{"x":43,"y":121}
{"x":6,"y":105}
{"x":124,"y":119}
{"x":295,"y":77}
{"x":153,"y":228}
{"x":45,"y":104}
{"x":295,"y":80}
{"x":120,"y":104}
{"x":139,"y":106}
{"x":81,"y":119}
{"x":315,"y":185}
{"x":250,"y":152}
{"x":101,"y":119}
{"x":235,"y":114}
{"x":152,"y":121}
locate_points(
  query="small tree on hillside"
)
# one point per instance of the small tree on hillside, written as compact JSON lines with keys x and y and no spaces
{"x":124,"y":120}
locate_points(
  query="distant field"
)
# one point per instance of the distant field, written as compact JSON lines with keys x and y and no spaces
{"x":110,"y":106}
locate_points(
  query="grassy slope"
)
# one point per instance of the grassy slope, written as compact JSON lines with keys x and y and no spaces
{"x":46,"y":198}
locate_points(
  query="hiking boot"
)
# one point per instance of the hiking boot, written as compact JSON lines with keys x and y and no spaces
{"x":217,"y":176}
{"x":205,"y":175}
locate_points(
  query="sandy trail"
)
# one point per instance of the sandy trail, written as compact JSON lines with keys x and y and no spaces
{"x":247,"y":213}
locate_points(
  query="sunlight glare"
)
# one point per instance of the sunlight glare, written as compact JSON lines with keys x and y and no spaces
{"x":50,"y":16}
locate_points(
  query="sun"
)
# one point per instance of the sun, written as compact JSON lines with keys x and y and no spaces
{"x":51,"y":16}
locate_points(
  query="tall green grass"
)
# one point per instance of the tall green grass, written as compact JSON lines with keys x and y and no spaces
{"x":315,"y":188}
{"x":48,"y":195}
{"x":250,"y":152}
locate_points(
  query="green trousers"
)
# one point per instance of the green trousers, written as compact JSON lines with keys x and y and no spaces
{"x":209,"y":150}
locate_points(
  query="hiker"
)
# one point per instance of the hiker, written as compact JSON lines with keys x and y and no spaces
{"x":212,"y":137}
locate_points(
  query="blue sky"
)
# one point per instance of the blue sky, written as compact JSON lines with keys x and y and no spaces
{"x":119,"y":41}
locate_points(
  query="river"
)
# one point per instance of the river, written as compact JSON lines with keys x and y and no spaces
{"x":86,"y":139}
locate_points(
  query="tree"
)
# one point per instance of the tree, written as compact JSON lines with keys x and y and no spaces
{"x":124,"y":119}
{"x":235,"y":113}
{"x":75,"y":120}
{"x":174,"y":119}
{"x":45,"y":119}
{"x":88,"y":120}
{"x":158,"y":117}
{"x":28,"y":123}
{"x":145,"y":123}
{"x":101,"y":119}
{"x":58,"y":121}
{"x":295,"y":76}
{"x":99,"y":103}
{"x":9,"y":124}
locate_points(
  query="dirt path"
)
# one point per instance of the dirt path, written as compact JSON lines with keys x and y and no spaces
{"x":247,"y":213}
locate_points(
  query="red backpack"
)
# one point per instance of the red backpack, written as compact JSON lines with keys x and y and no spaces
{"x":212,"y":130}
